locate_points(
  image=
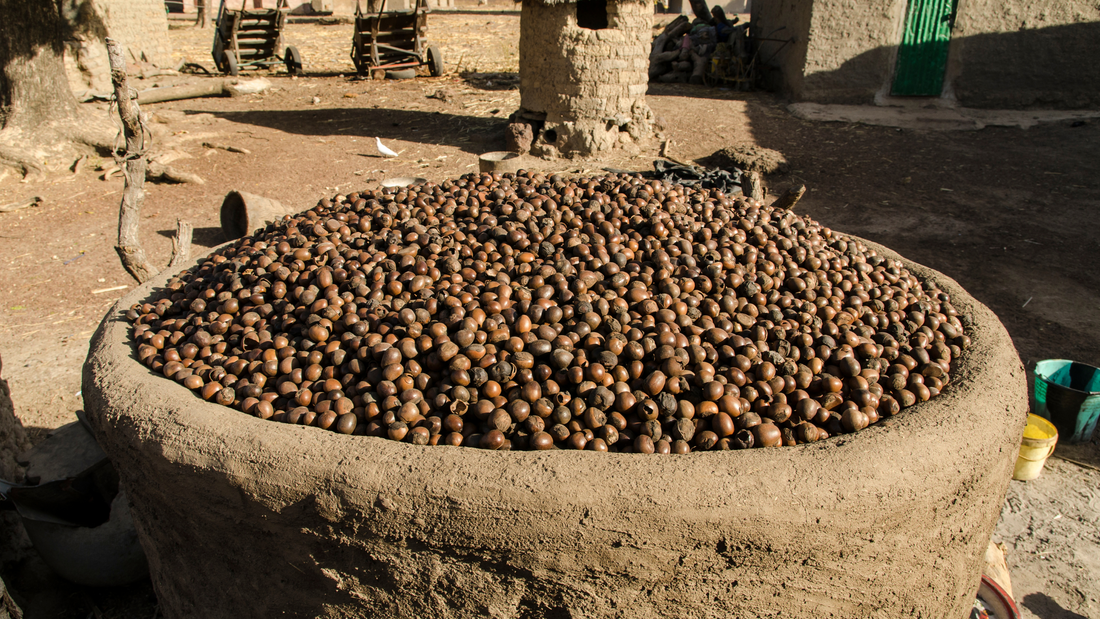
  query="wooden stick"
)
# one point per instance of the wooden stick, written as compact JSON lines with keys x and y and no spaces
{"x":790,"y":198}
{"x":752,"y":186}
{"x":1077,"y":462}
{"x":161,"y":172}
{"x":10,"y":208}
{"x":129,"y":246}
{"x":226,"y":147}
{"x":176,"y":93}
{"x":181,"y":245}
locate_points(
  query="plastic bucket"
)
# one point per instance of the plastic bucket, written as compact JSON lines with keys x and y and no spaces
{"x":499,"y":161}
{"x":994,"y":601}
{"x":1040,"y":436}
{"x":1068,"y":394}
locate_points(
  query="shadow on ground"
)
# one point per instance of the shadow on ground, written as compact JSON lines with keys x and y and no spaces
{"x":1045,"y":608}
{"x":208,"y":236}
{"x":434,"y":128}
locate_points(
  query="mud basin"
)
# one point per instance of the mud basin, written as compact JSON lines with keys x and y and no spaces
{"x":244,"y":517}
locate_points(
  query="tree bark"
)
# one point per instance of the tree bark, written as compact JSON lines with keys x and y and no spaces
{"x":175,"y":93}
{"x":33,"y":86}
{"x":753,"y":186}
{"x":129,"y":246}
{"x":40,"y":119}
{"x":790,"y":198}
{"x":181,"y":245}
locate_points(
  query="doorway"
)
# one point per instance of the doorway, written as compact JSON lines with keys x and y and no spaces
{"x":922,"y":55}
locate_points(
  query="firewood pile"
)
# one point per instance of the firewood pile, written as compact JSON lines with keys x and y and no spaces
{"x":711,"y":49}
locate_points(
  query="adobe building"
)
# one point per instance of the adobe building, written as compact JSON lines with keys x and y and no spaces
{"x":583,"y":69}
{"x":980,"y":53}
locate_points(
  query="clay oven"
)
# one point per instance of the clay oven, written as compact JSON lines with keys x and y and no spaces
{"x":583,"y":75}
{"x":244,"y":517}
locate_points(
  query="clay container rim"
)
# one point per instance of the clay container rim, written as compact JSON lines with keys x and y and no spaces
{"x":988,"y":334}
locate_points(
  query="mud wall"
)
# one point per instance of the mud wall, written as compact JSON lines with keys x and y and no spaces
{"x":589,"y":84}
{"x":1003,"y":54}
{"x":782,"y":19}
{"x":141,"y":26}
{"x":243,"y":517}
{"x":1020,"y":54}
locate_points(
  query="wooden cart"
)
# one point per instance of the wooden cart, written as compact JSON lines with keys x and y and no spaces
{"x":393,"y":41}
{"x":252,"y":39}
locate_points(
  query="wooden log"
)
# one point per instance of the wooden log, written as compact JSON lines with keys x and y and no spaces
{"x":181,"y":245}
{"x":658,"y":58}
{"x":789,"y":198}
{"x":160,"y":172}
{"x":699,"y":66}
{"x":129,"y":247}
{"x":996,"y":567}
{"x":11,"y":208}
{"x":752,"y":186}
{"x":702,"y":11}
{"x":659,"y":64}
{"x":175,"y":93}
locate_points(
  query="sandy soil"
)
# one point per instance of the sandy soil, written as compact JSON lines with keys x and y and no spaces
{"x":1009,"y":213}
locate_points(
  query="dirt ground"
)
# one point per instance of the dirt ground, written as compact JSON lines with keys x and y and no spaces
{"x":1011,"y":214}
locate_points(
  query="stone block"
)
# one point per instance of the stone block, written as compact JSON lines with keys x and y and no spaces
{"x":518,"y":137}
{"x":589,"y":106}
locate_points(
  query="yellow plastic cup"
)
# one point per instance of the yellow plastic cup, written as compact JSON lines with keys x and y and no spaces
{"x":1038,"y":442}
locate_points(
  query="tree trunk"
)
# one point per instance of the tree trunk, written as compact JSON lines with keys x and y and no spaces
{"x":40,"y":120}
{"x":129,"y":247}
{"x":33,"y":87}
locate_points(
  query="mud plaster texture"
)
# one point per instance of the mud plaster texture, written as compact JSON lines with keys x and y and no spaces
{"x":14,"y":544}
{"x":1003,"y":54}
{"x":140,"y":26}
{"x":589,"y":85}
{"x":13,"y":438}
{"x":243,"y":517}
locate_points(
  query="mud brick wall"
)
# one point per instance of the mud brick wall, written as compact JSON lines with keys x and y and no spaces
{"x":590,"y":84}
{"x":1002,"y":54}
{"x":141,"y":26}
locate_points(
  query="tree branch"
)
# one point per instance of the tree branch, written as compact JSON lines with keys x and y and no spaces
{"x":181,"y":245}
{"x":790,"y":198}
{"x":752,"y":186}
{"x":129,"y":246}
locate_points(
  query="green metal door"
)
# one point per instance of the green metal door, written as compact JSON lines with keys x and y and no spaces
{"x":922,"y":56}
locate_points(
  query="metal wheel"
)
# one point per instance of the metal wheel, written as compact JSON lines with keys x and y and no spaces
{"x":435,"y":61}
{"x":293,"y":60}
{"x":229,"y":61}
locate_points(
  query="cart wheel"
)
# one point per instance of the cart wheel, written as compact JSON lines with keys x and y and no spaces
{"x":230,"y":64}
{"x":293,"y":60}
{"x":435,"y":61}
{"x":219,"y":54}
